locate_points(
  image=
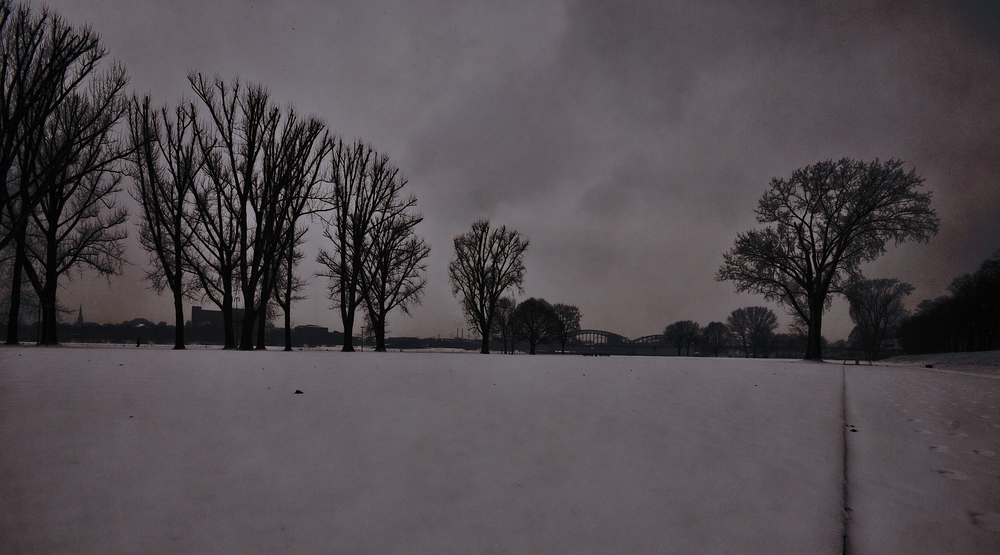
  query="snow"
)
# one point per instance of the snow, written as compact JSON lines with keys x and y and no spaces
{"x":924,"y":463}
{"x":981,"y":362}
{"x":147,"y":450}
{"x":143,"y":450}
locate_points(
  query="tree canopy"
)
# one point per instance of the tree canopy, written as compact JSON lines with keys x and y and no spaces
{"x":821,"y":224}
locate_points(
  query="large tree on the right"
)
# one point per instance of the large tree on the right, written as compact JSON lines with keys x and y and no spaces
{"x":819,"y":226}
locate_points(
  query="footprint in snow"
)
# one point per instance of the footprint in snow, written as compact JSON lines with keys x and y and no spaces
{"x":953,"y":474}
{"x":986,"y":521}
{"x":939,"y":448}
{"x":983,"y":452}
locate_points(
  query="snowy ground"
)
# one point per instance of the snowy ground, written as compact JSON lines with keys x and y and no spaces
{"x":923,"y":460}
{"x":126,"y":450}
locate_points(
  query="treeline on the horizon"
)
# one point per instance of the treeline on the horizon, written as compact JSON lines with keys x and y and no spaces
{"x":967,"y":319}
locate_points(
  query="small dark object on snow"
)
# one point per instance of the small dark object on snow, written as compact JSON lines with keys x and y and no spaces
{"x":928,"y":366}
{"x":298,"y":392}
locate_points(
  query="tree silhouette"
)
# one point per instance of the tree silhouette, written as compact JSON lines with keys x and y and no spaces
{"x":754,"y":326}
{"x":77,"y":222}
{"x":682,"y":334}
{"x":716,"y":337}
{"x":568,"y":319}
{"x":487,"y":263}
{"x":393,"y":272}
{"x":503,"y":322}
{"x":43,"y":62}
{"x":264,"y":166}
{"x":535,"y":321}
{"x":876,"y":307}
{"x":166,"y":162}
{"x":823,"y":223}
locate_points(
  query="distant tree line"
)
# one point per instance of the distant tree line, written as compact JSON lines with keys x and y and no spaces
{"x":750,"y":331}
{"x":967,"y":319}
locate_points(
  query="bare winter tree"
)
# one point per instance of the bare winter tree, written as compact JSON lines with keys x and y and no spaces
{"x":487,"y":263}
{"x":364,"y":185}
{"x":754,"y":327}
{"x":682,"y":334}
{"x":823,"y":223}
{"x":716,"y":337}
{"x":165,"y":164}
{"x":77,"y":222}
{"x":289,"y":285}
{"x":876,"y":309}
{"x":503,"y":322}
{"x":44,"y":62}
{"x":536,"y":322}
{"x":263,"y":166}
{"x":569,"y":322}
{"x":393,"y":272}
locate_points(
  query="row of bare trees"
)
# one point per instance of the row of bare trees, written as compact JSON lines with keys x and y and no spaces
{"x":224,"y":183}
{"x":59,"y":156}
{"x":225,"y":198}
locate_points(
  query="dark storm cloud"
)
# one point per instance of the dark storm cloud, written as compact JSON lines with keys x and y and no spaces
{"x":629,"y":140}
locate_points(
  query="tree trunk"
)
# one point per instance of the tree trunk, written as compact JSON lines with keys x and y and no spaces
{"x":246,"y":332}
{"x":814,"y":347}
{"x":379,"y":335}
{"x":262,"y":329}
{"x":179,"y":318}
{"x":228,"y":323}
{"x":48,"y":296}
{"x":348,"y":331}
{"x":14,"y":316}
{"x":485,"y":350}
{"x":48,"y":299}
{"x":288,"y":325}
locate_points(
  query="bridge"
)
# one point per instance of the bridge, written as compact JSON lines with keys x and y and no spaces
{"x":606,"y":342}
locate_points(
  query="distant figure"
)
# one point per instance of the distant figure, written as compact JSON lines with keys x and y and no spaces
{"x":138,"y":341}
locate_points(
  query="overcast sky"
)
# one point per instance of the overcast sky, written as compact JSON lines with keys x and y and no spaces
{"x":630,"y":141}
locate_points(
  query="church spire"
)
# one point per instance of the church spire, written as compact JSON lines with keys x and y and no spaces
{"x":79,"y":318}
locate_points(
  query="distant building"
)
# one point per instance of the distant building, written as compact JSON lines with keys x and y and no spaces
{"x":207,"y":326}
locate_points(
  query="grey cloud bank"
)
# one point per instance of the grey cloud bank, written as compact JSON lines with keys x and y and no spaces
{"x":630,"y":141}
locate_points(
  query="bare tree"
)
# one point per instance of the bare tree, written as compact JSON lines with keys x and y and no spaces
{"x":503,"y":322}
{"x":569,"y":322}
{"x":682,"y":334}
{"x":716,"y":337}
{"x":876,"y":309}
{"x":264,"y":167}
{"x":536,"y":322}
{"x":288,"y":285}
{"x":44,"y":62}
{"x":487,"y":263}
{"x":78,"y":223}
{"x":166,"y":163}
{"x":754,"y":326}
{"x":364,"y":186}
{"x":393,"y":272}
{"x":827,"y":219}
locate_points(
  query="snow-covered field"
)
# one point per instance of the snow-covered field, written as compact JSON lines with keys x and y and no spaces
{"x":145,"y":450}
